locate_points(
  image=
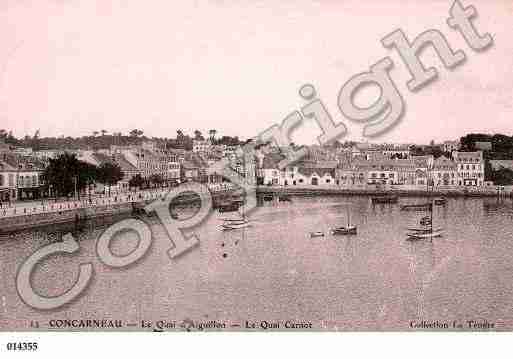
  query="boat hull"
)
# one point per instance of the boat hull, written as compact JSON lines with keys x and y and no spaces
{"x":416,"y":207}
{"x":421,"y":235}
{"x":229,"y":227}
{"x":344,"y":231}
{"x":385,"y":199}
{"x":316,"y":234}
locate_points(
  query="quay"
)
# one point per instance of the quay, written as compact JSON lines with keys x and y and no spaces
{"x":37,"y":214}
{"x":376,"y":191}
{"x":34,"y":214}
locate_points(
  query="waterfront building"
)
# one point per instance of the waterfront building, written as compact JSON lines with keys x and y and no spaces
{"x":360,"y":171}
{"x":319,"y":173}
{"x":148,"y":163}
{"x":29,"y":178}
{"x":396,"y":150}
{"x":345,"y":174}
{"x":470,"y":167}
{"x":406,"y":171}
{"x":382,"y":172}
{"x":444,"y":172}
{"x":8,"y":175}
{"x":269,"y":172}
{"x":423,"y":166}
{"x":173,"y":168}
{"x":129,"y":171}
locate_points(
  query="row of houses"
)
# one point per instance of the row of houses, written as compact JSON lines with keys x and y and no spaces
{"x":21,"y":169}
{"x":20,"y":176}
{"x":465,"y":169}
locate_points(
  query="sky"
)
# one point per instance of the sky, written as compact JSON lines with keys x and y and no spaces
{"x":74,"y":67}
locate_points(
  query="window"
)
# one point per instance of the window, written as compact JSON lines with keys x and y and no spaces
{"x":1,"y":180}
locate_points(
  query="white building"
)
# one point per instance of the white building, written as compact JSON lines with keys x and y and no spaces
{"x":470,"y":167}
{"x":7,"y":182}
{"x":445,"y":172}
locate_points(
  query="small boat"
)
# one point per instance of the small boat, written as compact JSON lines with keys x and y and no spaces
{"x":440,"y":201}
{"x":385,"y":199}
{"x":425,"y":221}
{"x":268,"y":197}
{"x":235,"y":225}
{"x":424,"y":234}
{"x":348,"y":230}
{"x":423,"y":230}
{"x":316,"y":234}
{"x":344,"y":230}
{"x":416,"y":207}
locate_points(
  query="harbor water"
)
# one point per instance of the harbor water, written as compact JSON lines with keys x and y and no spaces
{"x":275,"y":272}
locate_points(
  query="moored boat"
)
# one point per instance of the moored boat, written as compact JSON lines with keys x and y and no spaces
{"x":416,"y":207}
{"x":385,"y":199}
{"x":284,"y":198}
{"x":347,"y":230}
{"x":344,"y":230}
{"x":421,"y":234}
{"x":425,"y":221}
{"x":268,"y":197}
{"x":235,"y":225}
{"x":440,"y":201}
{"x":316,"y":234}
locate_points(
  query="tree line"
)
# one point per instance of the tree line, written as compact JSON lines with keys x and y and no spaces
{"x":101,"y":139}
{"x":66,"y":175}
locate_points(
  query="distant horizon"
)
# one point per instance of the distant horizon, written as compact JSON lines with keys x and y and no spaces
{"x":220,"y":135}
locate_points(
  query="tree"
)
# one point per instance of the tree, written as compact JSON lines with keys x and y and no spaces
{"x":109,"y":174}
{"x":66,"y":173}
{"x":104,"y":132}
{"x":502,"y":177}
{"x":156,"y":179}
{"x":198,"y":136}
{"x":95,"y":133}
{"x":136,"y":133}
{"x":136,"y":181}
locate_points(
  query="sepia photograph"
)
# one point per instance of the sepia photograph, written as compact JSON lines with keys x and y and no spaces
{"x":255,"y":166}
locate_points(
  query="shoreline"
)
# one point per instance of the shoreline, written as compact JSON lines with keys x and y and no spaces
{"x":77,"y":215}
{"x":327,"y":191}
